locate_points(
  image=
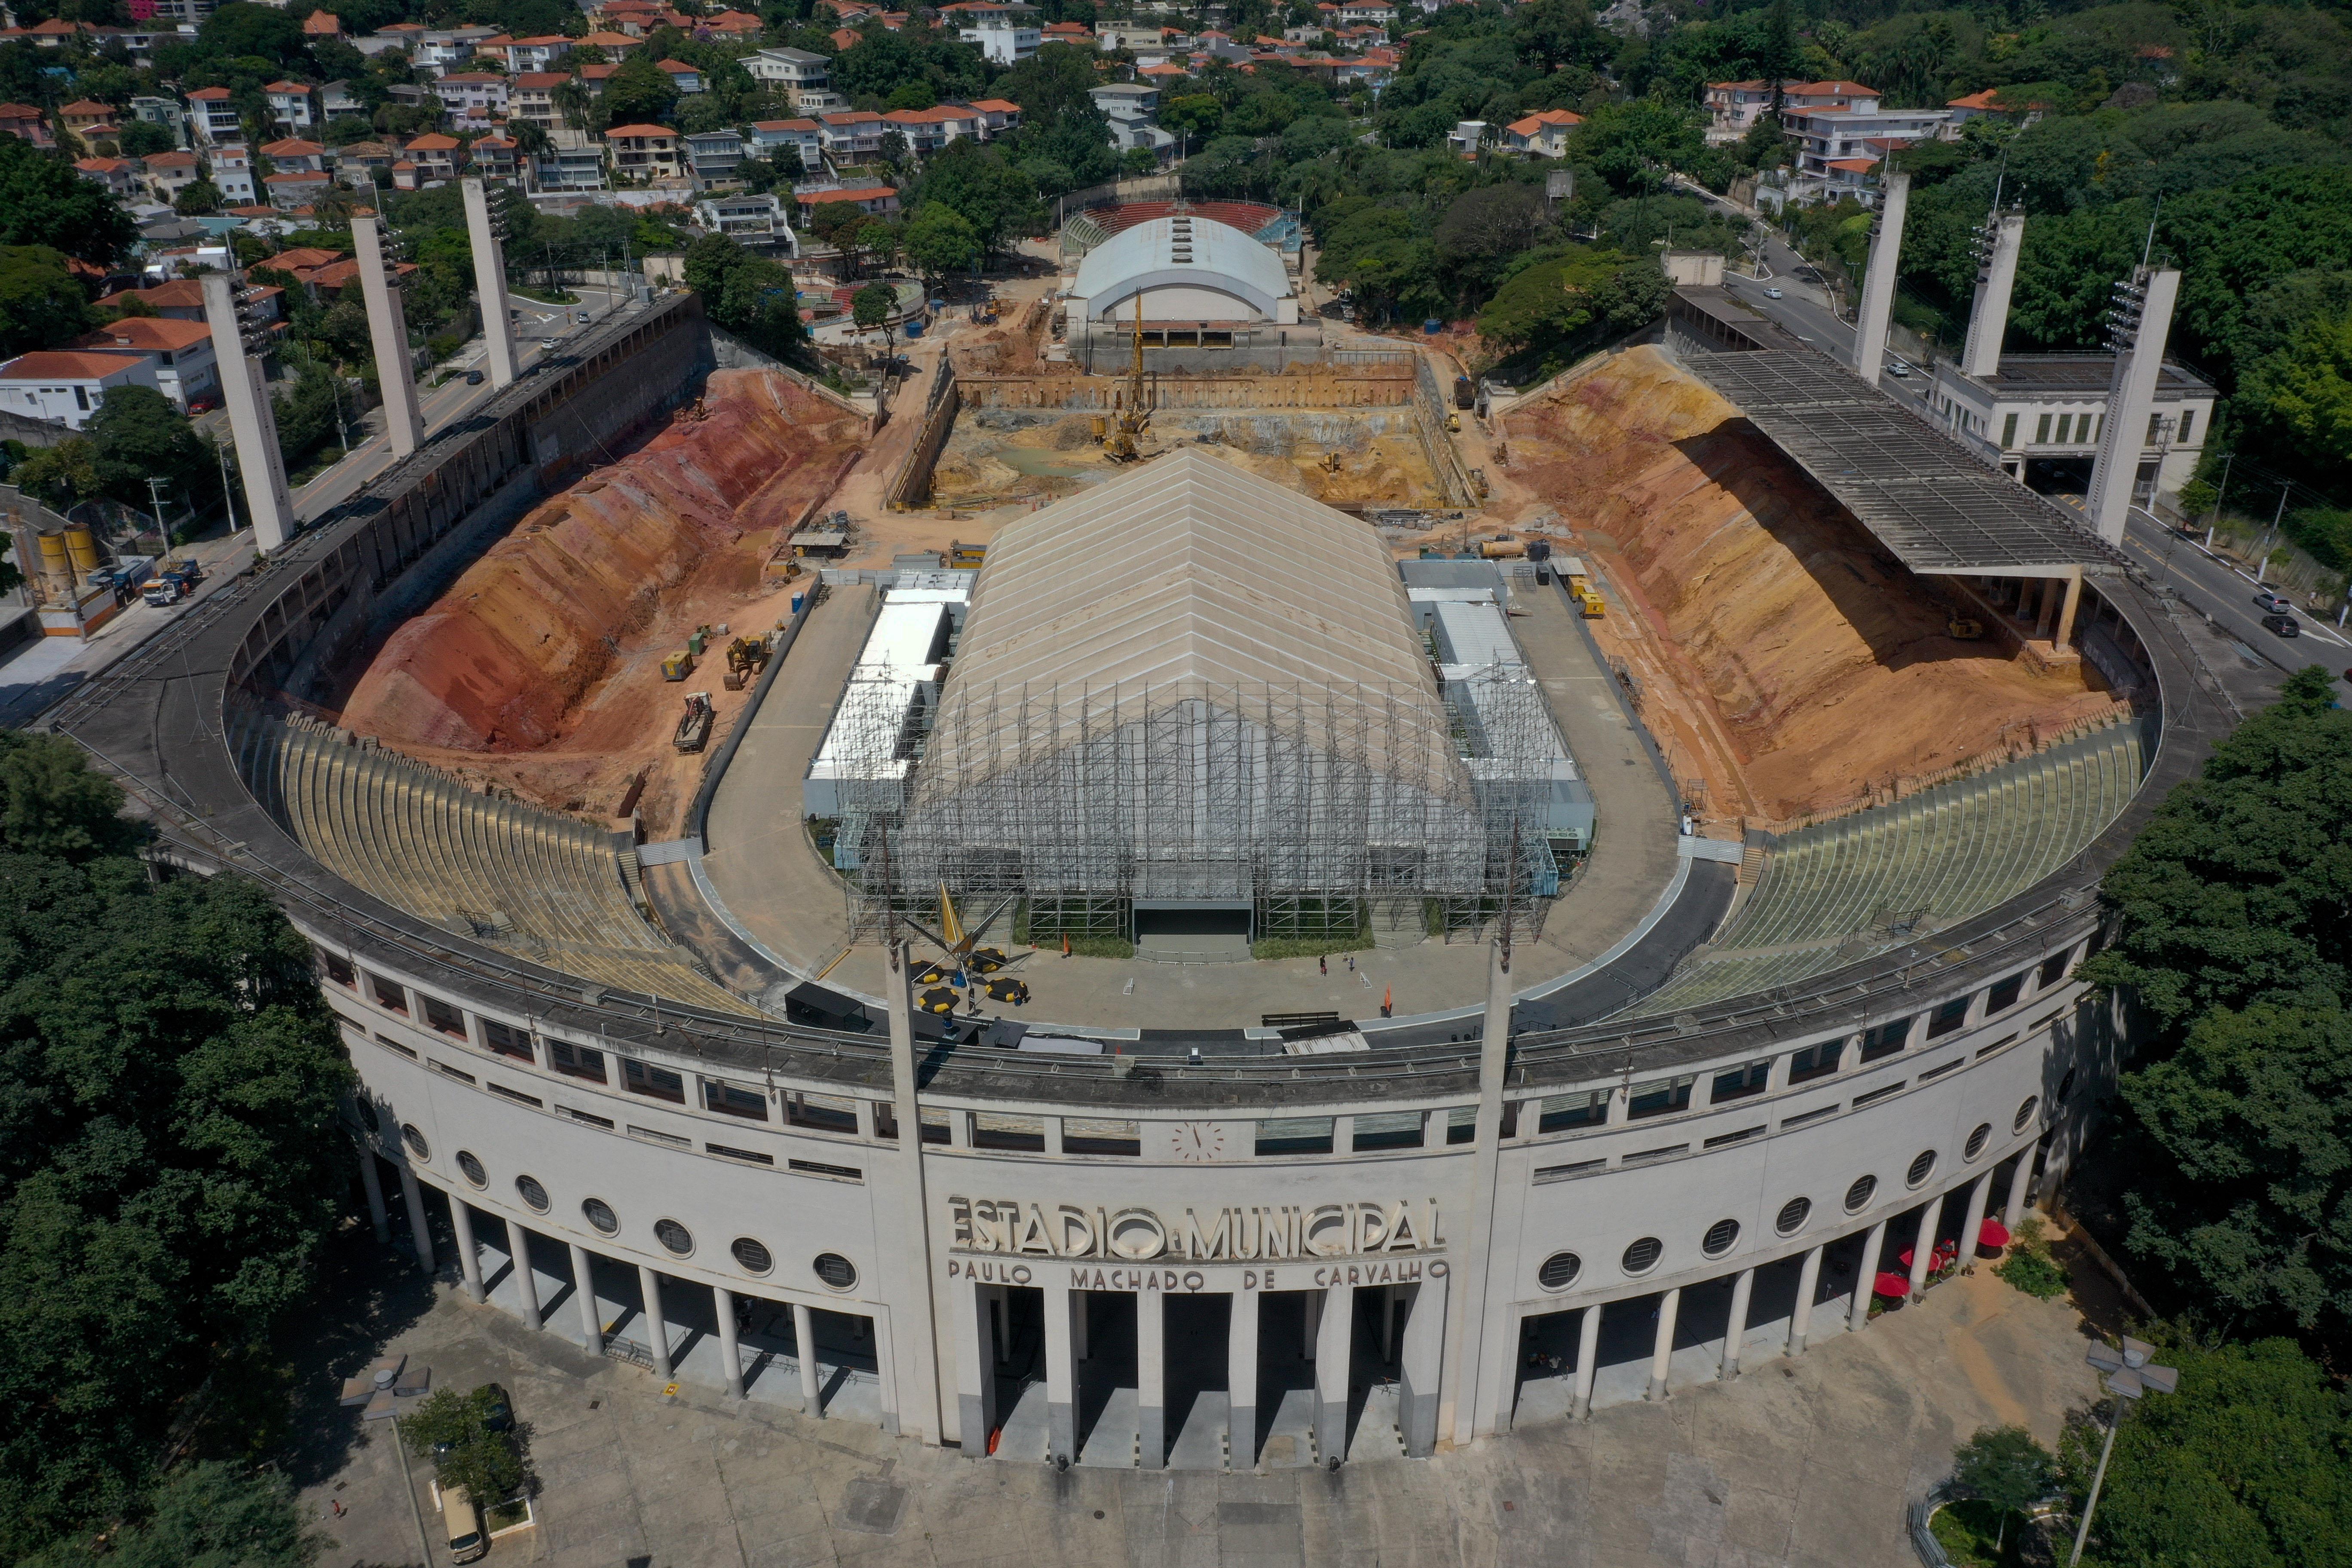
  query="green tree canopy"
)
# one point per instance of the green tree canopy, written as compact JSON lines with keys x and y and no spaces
{"x":2005,"y":1466}
{"x":940,"y":240}
{"x":980,"y":187}
{"x":43,"y":202}
{"x":639,"y":92}
{"x":41,"y":302}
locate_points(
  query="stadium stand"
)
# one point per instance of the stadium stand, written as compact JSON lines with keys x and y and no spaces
{"x":547,"y":886}
{"x":1838,"y":891}
{"x":1081,"y":231}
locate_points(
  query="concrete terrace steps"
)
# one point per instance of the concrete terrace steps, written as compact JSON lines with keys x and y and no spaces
{"x":559,"y":889}
{"x":1836,"y":892}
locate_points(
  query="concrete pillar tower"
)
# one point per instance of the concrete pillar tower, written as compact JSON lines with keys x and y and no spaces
{"x":1878,"y":283}
{"x":2004,"y":239}
{"x":1468,"y":1362}
{"x":583,"y":1293}
{"x":2138,"y":325}
{"x":1588,"y":1354}
{"x":375,"y":1185}
{"x":526,"y":1282}
{"x":483,"y":234}
{"x":1662,"y":1351}
{"x":251,"y":425}
{"x":1240,"y":1381}
{"x":657,"y":1325}
{"x":403,"y":421}
{"x":804,"y":1348}
{"x":916,"y":1283}
{"x":1809,"y":1285}
{"x":730,"y":1350}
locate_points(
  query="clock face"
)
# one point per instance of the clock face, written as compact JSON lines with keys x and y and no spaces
{"x":1200,"y":1141}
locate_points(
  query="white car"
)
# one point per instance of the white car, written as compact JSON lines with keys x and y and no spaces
{"x":1895,"y":367}
{"x":1771,"y":293}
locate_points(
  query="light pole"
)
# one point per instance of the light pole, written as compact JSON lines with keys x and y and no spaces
{"x":228,"y":491}
{"x":2129,"y":1374}
{"x":163,"y":536}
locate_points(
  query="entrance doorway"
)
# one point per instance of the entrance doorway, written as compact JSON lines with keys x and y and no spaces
{"x":1200,"y":931}
{"x":1198,"y":1330}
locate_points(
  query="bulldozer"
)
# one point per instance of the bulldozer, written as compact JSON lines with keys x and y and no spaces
{"x":694,"y":725}
{"x":1963,"y":628}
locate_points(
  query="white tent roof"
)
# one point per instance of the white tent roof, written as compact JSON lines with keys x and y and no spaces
{"x":1213,"y":256}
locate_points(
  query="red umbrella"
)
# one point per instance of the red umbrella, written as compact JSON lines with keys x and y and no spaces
{"x":1903,"y":1257}
{"x":1892,"y":1284}
{"x":1993,"y":1235}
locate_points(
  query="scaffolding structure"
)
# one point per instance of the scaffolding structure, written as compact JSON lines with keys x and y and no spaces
{"x":1319,"y":806}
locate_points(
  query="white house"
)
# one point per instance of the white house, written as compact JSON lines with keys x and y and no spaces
{"x":792,"y":69}
{"x":1006,"y":31}
{"x":67,"y":385}
{"x":179,"y":353}
{"x":756,"y":220}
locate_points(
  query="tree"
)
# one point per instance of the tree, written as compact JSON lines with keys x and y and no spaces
{"x":208,"y":1515}
{"x":202,"y":197}
{"x":139,"y":434}
{"x":871,"y":306}
{"x":43,"y":202}
{"x":2004,"y":1466}
{"x":640,"y":93}
{"x":977,"y":183}
{"x":1192,"y":115}
{"x":144,"y":138}
{"x":41,"y":303}
{"x":456,"y":1432}
{"x":242,"y":30}
{"x":1555,"y":301}
{"x":2302,"y":393}
{"x":939,"y":241}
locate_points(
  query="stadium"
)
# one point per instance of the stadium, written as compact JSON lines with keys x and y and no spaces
{"x":1650,"y":1004}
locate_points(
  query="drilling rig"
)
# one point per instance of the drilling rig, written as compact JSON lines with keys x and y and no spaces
{"x":1129,"y":419}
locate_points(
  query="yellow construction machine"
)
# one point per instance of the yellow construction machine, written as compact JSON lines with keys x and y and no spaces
{"x":1129,"y":419}
{"x":746,"y":656}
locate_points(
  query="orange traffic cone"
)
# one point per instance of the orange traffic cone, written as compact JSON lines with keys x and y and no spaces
{"x":1066,"y":944}
{"x":1387,"y":999}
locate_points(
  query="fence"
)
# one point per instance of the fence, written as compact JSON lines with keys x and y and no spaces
{"x":911,"y":485}
{"x":1429,"y":413}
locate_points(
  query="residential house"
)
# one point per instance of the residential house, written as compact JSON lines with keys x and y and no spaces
{"x":1363,"y":12}
{"x":440,"y":49}
{"x":181,"y":300}
{"x":1005,"y":31}
{"x":711,"y":157}
{"x":296,"y":154}
{"x":1076,"y":33}
{"x":853,"y":135}
{"x":997,"y":115}
{"x":844,"y":39}
{"x":180,"y":353}
{"x":687,"y":78}
{"x":1166,"y":75}
{"x":495,"y":157}
{"x":1468,"y":136}
{"x":470,"y":93}
{"x":322,"y":25}
{"x":544,"y":53}
{"x":293,"y":104}
{"x":233,"y":172}
{"x":121,"y":177}
{"x":436,"y":157}
{"x":592,"y":79}
{"x":85,"y":118}
{"x":358,"y":162}
{"x":770,"y":137}
{"x":213,"y":115}
{"x":749,"y":219}
{"x":337,"y":101}
{"x":879,"y":200}
{"x":1132,"y":36}
{"x":1847,"y":129}
{"x":788,"y":69}
{"x":1734,"y":107}
{"x":1543,"y":134}
{"x":169,"y":173}
{"x":164,"y":112}
{"x":1130,"y":106}
{"x":1988,"y":105}
{"x":66,"y":386}
{"x":403,"y":37}
{"x":570,"y":169}
{"x":642,"y":154}
{"x":617,"y":47}
{"x":730,"y":25}
{"x":297,"y":188}
{"x":26,"y":123}
{"x":928,"y":129}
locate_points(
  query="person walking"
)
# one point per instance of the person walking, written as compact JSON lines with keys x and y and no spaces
{"x":1323,"y":963}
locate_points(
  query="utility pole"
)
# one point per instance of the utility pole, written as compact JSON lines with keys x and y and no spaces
{"x":162,"y":534}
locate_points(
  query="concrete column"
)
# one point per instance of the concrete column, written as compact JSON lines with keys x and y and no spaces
{"x":526,"y":1282}
{"x":976,"y":1359}
{"x":1988,"y":316}
{"x":1923,"y":1246}
{"x":2131,"y":398}
{"x":1865,"y":1277}
{"x":420,"y":1234}
{"x":584,"y":1291}
{"x":470,"y":1259}
{"x":1420,"y":1361}
{"x":811,"y":1379}
{"x":1081,"y":1345}
{"x":919,"y":1404}
{"x":1588,"y":1353}
{"x":403,"y":421}
{"x":260,"y":467}
{"x":489,"y":282}
{"x":1241,"y":1383}
{"x":1809,"y":1285}
{"x":1335,"y":1337}
{"x":2020,"y":1180}
{"x":1735,"y":1329}
{"x":1151,"y":1377}
{"x":1972,"y":1221}
{"x":731,"y":1352}
{"x":1878,"y":283}
{"x":1061,"y":1304}
{"x":2065,"y":635}
{"x":656,"y":1328}
{"x":1469,"y":1360}
{"x":372,"y":1180}
{"x":1662,"y":1352}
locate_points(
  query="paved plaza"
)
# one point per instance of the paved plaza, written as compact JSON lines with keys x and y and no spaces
{"x":1800,"y":1462}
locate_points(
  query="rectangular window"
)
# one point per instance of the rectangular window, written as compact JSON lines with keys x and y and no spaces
{"x":1568,"y":1173}
{"x":1803,"y":1117}
{"x":509,"y":1041}
{"x":593,"y":1121}
{"x":936,"y":1129}
{"x":1021,"y":1134}
{"x":2009,"y":430}
{"x":2155,"y":429}
{"x":1294,"y":1136}
{"x":1998,"y":1045}
{"x":1461,"y":1124}
{"x":1388,"y":1129}
{"x":443,"y":1017}
{"x":837,"y":1172}
{"x":338,"y":968}
{"x":728,"y":1100}
{"x":2093,"y":431}
{"x":1740,"y":1082}
{"x":747,"y":1156}
{"x":1652,"y":1156}
{"x":1585,"y":1108}
{"x":2065,"y":427}
{"x":653,"y":1136}
{"x":655,"y":1083}
{"x":1090,"y":1136}
{"x":446,"y":1070}
{"x":1862,"y":1100}
{"x":1661,"y":1097}
{"x":1947,"y":1017}
{"x":821,"y":1112}
{"x":2041,"y":431}
{"x":1885,"y":1040}
{"x":1720,"y":1139}
{"x":1815,"y":1061}
{"x":395,"y":1046}
{"x":2004,"y":993}
{"x":518,"y":1096}
{"x":578,"y":1061}
{"x":2187,"y":427}
{"x":389,"y":994}
{"x":2053,"y":970}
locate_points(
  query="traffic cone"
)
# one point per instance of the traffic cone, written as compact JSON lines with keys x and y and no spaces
{"x":1387,"y":999}
{"x":1066,"y":944}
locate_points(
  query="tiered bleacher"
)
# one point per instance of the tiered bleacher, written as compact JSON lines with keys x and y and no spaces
{"x":1081,"y":231}
{"x":543,"y":886}
{"x":1836,"y":892}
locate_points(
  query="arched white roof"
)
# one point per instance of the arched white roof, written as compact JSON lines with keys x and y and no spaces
{"x":1211,"y":255}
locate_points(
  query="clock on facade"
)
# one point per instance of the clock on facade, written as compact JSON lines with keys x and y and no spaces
{"x":1199,"y":1141}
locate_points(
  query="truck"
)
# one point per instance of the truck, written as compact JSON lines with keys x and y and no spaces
{"x":174,"y":582}
{"x":1466,"y":394}
{"x":693,"y":731}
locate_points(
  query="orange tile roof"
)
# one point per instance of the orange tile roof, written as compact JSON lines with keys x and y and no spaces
{"x":159,"y":334}
{"x":863,"y":194}
{"x":434,"y":142}
{"x":180,"y":294}
{"x":292,"y":147}
{"x":322,"y":24}
{"x":639,"y":131}
{"x":996,"y":105}
{"x":208,"y":94}
{"x":62,"y":364}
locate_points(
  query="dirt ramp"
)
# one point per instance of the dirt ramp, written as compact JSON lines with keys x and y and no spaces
{"x":1785,"y":647}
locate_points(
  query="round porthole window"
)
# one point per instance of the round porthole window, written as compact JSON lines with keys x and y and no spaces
{"x":415,"y":1141}
{"x":1858,"y":1194}
{"x":1644,"y":1254}
{"x":674,"y":1235}
{"x":533,"y":1195}
{"x":599,"y":1213}
{"x":1560,"y":1270}
{"x":752,"y":1255}
{"x":1976,"y":1141}
{"x":2025,"y":1113}
{"x":835,"y":1271}
{"x":1720,"y":1237}
{"x":472,"y":1167}
{"x":1792,"y":1215}
{"x":1921,"y":1168}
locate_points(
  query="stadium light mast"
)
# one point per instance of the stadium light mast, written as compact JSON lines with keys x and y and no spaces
{"x":1999,"y":244}
{"x":403,"y":421}
{"x":486,"y":235}
{"x":1878,"y":285}
{"x":238,"y":336}
{"x":2138,"y":322}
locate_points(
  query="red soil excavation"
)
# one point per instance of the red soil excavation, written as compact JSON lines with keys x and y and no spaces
{"x":1785,"y":657}
{"x":539,"y":667}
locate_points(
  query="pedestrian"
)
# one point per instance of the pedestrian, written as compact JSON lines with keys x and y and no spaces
{"x":1352,"y":963}
{"x":1323,"y":963}
{"x":340,"y":1510}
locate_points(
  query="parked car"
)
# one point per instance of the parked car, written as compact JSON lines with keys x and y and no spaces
{"x":462,"y":1524}
{"x":2278,"y":604}
{"x":2284,"y":626}
{"x":581,"y":317}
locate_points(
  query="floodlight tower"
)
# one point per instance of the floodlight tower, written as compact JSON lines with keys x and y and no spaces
{"x":1998,"y":243}
{"x":1878,"y":285}
{"x":403,"y":421}
{"x":2138,"y":322}
{"x":238,"y":335}
{"x":486,"y":232}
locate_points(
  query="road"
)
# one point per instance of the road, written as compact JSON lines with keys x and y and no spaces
{"x":2215,"y":587}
